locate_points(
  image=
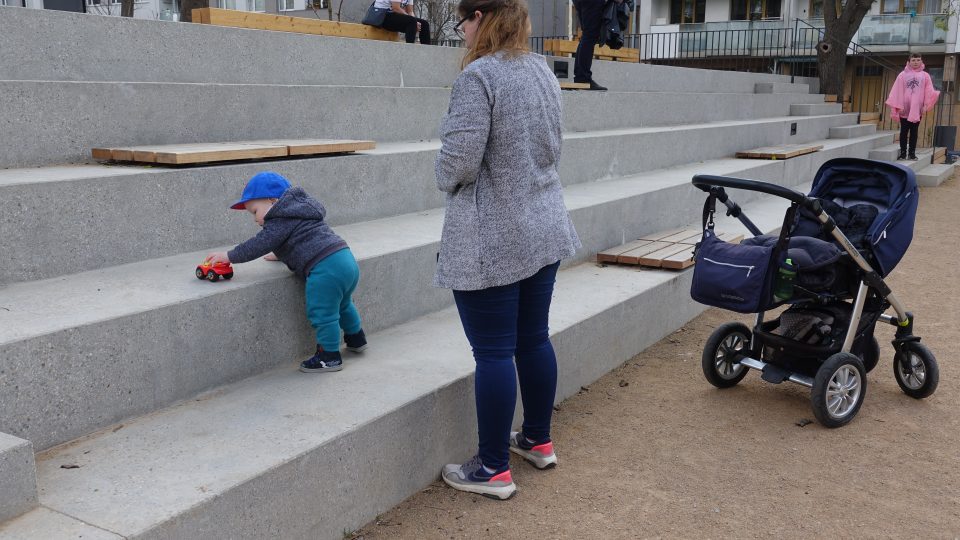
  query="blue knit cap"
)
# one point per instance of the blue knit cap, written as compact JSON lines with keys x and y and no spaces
{"x":264,"y":185}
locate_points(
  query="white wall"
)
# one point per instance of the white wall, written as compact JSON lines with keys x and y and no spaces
{"x":717,"y":11}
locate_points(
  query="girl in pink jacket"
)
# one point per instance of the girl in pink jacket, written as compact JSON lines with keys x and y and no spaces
{"x":912,"y":95}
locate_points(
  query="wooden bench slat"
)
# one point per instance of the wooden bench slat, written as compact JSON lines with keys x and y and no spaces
{"x":566,"y":46}
{"x":283,"y":23}
{"x":633,"y":256}
{"x":655,"y":259}
{"x":192,"y":153}
{"x":610,"y":255}
{"x":784,"y":151}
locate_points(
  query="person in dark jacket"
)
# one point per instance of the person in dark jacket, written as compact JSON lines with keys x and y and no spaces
{"x":294,"y":232}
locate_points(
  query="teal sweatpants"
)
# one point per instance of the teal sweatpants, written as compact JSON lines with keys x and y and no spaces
{"x":329,"y":305}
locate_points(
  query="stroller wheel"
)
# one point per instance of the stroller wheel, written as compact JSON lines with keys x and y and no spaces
{"x":870,"y":355}
{"x":720,"y":364}
{"x":838,"y":390}
{"x":916,"y":370}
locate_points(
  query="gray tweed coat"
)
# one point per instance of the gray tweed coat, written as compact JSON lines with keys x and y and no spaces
{"x":505,"y":217}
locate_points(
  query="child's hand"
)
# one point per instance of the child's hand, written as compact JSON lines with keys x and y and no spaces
{"x":217,"y":257}
{"x":270,"y":257}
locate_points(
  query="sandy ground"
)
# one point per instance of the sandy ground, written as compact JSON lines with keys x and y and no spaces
{"x":653,"y":450}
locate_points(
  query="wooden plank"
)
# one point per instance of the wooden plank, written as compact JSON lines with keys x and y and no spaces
{"x":733,"y":238}
{"x":785,"y":151}
{"x":663,"y":234}
{"x":654,"y":259}
{"x":869,"y":117}
{"x":574,"y":86}
{"x":829,"y":98}
{"x":283,"y":23}
{"x":680,"y":260}
{"x":610,"y":255}
{"x":305,"y":147}
{"x":566,"y":46}
{"x":633,"y":256}
{"x":102,"y":154}
{"x":684,"y":236}
{"x":180,"y":154}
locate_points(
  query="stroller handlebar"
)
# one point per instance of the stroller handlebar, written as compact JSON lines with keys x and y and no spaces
{"x":706,"y":181}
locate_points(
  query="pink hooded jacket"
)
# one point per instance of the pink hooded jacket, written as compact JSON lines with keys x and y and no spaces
{"x":912,"y":94}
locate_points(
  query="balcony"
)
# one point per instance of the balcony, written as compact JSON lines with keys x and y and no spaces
{"x":904,"y":29}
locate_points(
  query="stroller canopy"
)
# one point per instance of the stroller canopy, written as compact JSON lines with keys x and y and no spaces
{"x":889,"y":187}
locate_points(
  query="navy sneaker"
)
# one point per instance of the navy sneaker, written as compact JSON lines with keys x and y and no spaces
{"x":322,"y":361}
{"x":356,"y":342}
{"x":472,"y":477}
{"x":540,"y":454}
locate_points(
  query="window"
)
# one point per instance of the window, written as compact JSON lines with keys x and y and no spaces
{"x":816,"y":8}
{"x":747,"y":10}
{"x":287,"y":5}
{"x":889,"y":7}
{"x":687,"y":11}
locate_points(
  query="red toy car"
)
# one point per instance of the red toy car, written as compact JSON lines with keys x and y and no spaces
{"x":213,"y":272}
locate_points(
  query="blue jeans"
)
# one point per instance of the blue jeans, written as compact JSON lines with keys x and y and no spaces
{"x":503,"y":323}
{"x":328,"y":294}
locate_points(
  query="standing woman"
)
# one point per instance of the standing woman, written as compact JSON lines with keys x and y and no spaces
{"x":505,"y":231}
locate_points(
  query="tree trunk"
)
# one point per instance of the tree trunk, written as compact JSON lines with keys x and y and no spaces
{"x":839,"y":29}
{"x":126,"y":8}
{"x":831,"y":66}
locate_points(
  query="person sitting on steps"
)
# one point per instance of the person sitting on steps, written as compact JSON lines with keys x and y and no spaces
{"x":397,"y":16}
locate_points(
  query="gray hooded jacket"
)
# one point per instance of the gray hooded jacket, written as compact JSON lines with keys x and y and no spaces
{"x":294,"y":230}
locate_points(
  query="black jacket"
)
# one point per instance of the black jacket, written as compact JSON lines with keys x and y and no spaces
{"x":294,"y":230}
{"x":616,"y":18}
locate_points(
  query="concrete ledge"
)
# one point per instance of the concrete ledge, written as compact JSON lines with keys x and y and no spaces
{"x":18,"y":488}
{"x":290,"y":448}
{"x":45,"y":524}
{"x":885,"y":153}
{"x":126,"y":216}
{"x":782,"y":88}
{"x":934,"y":175}
{"x":139,"y":337}
{"x":815,"y":109}
{"x":29,"y":38}
{"x":846,"y":132}
{"x":59,"y":122}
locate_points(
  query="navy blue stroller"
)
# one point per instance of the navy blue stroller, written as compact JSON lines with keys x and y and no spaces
{"x":827,"y":265}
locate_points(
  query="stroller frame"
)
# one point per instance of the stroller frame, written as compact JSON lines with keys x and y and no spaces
{"x":915,"y":367}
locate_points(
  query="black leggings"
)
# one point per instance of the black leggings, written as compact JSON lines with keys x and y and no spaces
{"x":407,"y":24}
{"x":911,"y":130}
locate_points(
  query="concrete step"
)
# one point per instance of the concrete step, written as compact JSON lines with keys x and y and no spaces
{"x":30,"y":38}
{"x":127,"y":215}
{"x":43,"y":523}
{"x":55,"y":116}
{"x":782,"y":88}
{"x":141,"y":336}
{"x":857,"y":130}
{"x":18,"y":490}
{"x":290,"y":443}
{"x":934,"y":175}
{"x":815,"y":109}
{"x":886,"y":153}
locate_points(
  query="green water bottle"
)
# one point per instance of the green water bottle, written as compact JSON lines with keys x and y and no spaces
{"x":783,"y":288}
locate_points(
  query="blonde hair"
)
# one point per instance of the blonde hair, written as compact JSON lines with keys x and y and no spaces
{"x":505,"y":26}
